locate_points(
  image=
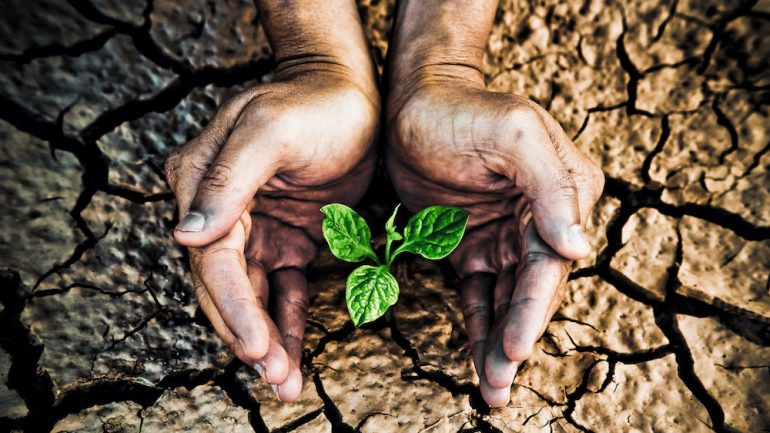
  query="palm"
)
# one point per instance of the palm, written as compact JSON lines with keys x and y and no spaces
{"x":500,"y":239}
{"x":491,"y":154}
{"x":286,"y":220}
{"x":460,"y":175}
{"x":258,"y":175}
{"x":492,"y":241}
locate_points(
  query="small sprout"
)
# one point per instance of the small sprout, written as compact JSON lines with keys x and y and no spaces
{"x":433,"y":233}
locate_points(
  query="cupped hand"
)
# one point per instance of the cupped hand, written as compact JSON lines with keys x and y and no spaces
{"x":249,"y":190}
{"x":529,"y":190}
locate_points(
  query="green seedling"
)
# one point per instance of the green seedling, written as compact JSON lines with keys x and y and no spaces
{"x":433,"y":233}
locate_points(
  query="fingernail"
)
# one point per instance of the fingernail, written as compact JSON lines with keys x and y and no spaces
{"x":192,"y":222}
{"x":275,"y":390}
{"x":259,"y":370}
{"x":578,"y":240}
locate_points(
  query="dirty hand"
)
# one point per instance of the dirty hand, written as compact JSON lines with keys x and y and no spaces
{"x":499,"y":156}
{"x":529,"y":191}
{"x":249,"y":189}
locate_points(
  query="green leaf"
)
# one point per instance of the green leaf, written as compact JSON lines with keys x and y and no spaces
{"x":392,"y":235}
{"x":434,"y":232}
{"x":347,"y":234}
{"x":369,"y":292}
{"x":390,"y":227}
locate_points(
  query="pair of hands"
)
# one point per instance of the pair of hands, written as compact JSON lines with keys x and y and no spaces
{"x":250,"y":187}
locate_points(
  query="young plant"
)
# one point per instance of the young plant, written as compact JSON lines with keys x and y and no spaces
{"x":433,"y":233}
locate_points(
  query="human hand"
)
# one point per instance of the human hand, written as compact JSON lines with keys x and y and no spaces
{"x":529,"y":190}
{"x":249,"y":190}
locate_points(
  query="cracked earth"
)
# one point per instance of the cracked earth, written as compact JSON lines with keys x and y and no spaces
{"x":665,"y":328}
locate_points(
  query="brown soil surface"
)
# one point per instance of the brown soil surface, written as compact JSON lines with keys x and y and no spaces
{"x":665,"y":328}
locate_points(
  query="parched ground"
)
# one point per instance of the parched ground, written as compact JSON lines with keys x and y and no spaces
{"x":666,"y":328}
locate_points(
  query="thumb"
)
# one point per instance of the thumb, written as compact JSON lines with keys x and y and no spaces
{"x":225,"y":188}
{"x":554,"y":205}
{"x":550,"y":188}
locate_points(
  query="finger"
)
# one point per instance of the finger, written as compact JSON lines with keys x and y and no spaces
{"x":186,"y":166}
{"x":242,"y":166}
{"x":495,"y":397}
{"x":274,"y":366}
{"x":499,"y":370}
{"x":256,"y":274}
{"x":290,"y":389}
{"x":211,"y":312}
{"x":537,"y":285}
{"x":221,"y":268}
{"x":588,"y":177}
{"x":547,"y":184}
{"x":555,"y":303}
{"x":290,"y":306}
{"x":503,"y":292}
{"x":290,"y":311}
{"x":477,"y":311}
{"x":213,"y":165}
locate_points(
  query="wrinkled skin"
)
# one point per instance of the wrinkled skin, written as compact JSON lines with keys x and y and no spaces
{"x":258,"y":174}
{"x":509,"y":163}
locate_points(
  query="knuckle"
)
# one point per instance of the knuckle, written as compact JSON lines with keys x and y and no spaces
{"x":543,"y":257}
{"x":299,"y":302}
{"x":475,"y":309}
{"x":289,"y":337}
{"x":217,"y":178}
{"x":555,"y":181}
{"x":522,"y":119}
{"x":590,"y":179}
{"x":172,"y":166}
{"x":259,"y":108}
{"x":251,"y":352}
{"x":228,"y":112}
{"x":207,"y":260}
{"x":208,"y":254}
{"x":565,"y":182}
{"x":516,"y":349}
{"x":474,"y":258}
{"x":239,"y":303}
{"x":523,"y":302}
{"x":502,"y":308}
{"x":253,"y":111}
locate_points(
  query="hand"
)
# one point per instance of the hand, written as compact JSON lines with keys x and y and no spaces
{"x":529,"y":190}
{"x":249,"y":190}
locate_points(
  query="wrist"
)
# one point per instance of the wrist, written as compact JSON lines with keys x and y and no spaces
{"x":318,"y":38}
{"x":425,"y":62}
{"x":418,"y":79}
{"x":332,"y":77}
{"x":327,"y":67}
{"x":437,"y":42}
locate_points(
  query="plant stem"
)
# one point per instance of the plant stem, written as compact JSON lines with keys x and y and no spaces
{"x":389,"y":257}
{"x":387,"y":251}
